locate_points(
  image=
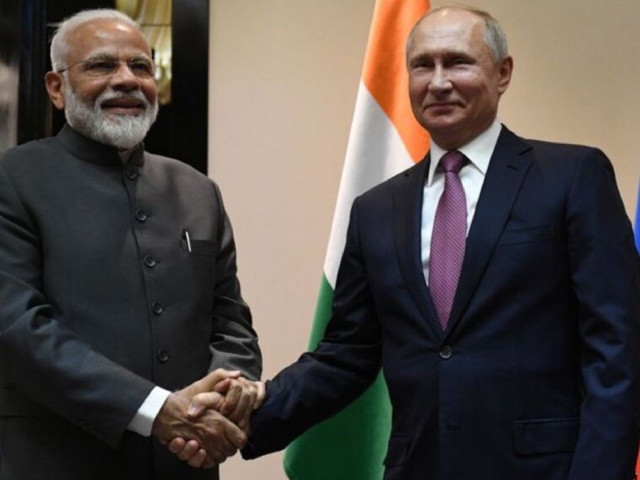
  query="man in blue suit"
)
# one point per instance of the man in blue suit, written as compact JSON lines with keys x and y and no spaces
{"x":531,"y":371}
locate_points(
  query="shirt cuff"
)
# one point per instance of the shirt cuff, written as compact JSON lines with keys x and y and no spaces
{"x":142,"y":421}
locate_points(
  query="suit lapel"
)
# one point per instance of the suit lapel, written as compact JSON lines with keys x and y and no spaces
{"x":407,"y":214}
{"x":507,"y":169}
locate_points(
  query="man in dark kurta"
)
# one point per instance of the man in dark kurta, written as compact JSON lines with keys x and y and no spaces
{"x":117,"y":279}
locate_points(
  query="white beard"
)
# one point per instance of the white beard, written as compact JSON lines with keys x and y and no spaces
{"x":120,"y":131}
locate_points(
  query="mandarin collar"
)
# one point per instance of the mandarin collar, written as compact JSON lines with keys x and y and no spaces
{"x":95,"y":152}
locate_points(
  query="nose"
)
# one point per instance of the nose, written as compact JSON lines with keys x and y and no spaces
{"x":123,"y":78}
{"x":439,"y":79}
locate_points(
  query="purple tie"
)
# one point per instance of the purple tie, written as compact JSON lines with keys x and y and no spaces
{"x":448,"y":238}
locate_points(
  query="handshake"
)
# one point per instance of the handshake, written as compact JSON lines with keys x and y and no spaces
{"x":208,"y":421}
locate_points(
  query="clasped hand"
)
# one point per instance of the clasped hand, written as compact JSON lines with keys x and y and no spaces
{"x":208,"y":421}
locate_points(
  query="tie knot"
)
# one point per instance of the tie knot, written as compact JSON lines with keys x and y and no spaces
{"x":452,"y":161}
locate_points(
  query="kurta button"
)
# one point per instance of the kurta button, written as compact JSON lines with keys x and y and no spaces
{"x":157,"y":308}
{"x":141,"y":215}
{"x":162,"y":356}
{"x":131,"y":173}
{"x":446,"y":352}
{"x":149,"y":261}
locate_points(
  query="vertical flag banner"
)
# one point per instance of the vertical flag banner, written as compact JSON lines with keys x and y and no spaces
{"x":385,"y":139}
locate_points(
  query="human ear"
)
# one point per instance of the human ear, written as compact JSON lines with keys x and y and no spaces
{"x":54,"y":82}
{"x":505,"y":69}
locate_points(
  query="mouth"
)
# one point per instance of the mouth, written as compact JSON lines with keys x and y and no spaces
{"x":441,"y":105}
{"x":124,"y":106}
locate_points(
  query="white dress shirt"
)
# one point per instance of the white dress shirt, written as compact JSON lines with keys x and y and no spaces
{"x":143,"y":420}
{"x":478,"y":151}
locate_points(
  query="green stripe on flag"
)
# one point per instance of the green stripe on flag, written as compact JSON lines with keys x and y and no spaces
{"x":323,"y":313}
{"x":350,"y":445}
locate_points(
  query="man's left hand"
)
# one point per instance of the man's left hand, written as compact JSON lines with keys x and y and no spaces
{"x":235,"y":398}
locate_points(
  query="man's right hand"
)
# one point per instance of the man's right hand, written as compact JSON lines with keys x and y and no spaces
{"x":209,"y":438}
{"x":250,"y":398}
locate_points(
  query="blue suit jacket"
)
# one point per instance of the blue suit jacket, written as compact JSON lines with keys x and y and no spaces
{"x":536,"y":376}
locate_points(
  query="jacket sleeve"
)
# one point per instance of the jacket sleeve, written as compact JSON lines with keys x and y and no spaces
{"x":234,"y":343}
{"x":606,"y":277}
{"x":54,"y":368}
{"x":323,"y":382}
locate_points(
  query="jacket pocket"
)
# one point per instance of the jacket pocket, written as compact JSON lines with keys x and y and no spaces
{"x":205,"y":248}
{"x":397,"y":450}
{"x":539,"y":233}
{"x":534,"y":437}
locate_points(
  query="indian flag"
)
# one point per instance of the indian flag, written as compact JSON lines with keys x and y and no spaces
{"x":385,"y":139}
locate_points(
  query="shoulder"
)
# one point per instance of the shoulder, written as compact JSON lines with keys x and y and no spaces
{"x":509,"y":141}
{"x":560,"y":150}
{"x":177,"y":168}
{"x":23,"y":157}
{"x":170,"y":172}
{"x":550,"y":156}
{"x":572,"y":159}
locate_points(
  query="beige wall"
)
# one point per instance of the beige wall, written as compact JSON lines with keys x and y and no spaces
{"x":284,"y":75}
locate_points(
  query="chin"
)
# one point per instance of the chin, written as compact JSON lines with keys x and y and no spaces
{"x":120,"y":115}
{"x":440,"y":125}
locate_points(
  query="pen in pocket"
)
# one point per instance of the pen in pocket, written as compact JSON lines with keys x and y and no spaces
{"x":187,"y":238}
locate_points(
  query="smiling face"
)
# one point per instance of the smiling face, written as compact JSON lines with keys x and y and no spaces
{"x":454,"y":82}
{"x":104,"y":89}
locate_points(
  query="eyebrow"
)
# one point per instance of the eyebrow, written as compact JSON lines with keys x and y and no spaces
{"x":110,"y":56}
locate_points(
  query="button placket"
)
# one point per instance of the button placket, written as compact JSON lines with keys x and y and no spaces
{"x":157,"y":308}
{"x":131,"y":172}
{"x":163,"y":355}
{"x":141,"y":215}
{"x":149,"y":261}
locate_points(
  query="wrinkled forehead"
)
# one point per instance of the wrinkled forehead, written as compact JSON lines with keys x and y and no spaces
{"x":449,"y":22}
{"x":106,"y":37}
{"x":448,"y":29}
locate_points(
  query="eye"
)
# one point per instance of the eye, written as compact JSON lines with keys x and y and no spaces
{"x":421,"y":63}
{"x":458,"y":61}
{"x":141,"y":67}
{"x":100,"y":67}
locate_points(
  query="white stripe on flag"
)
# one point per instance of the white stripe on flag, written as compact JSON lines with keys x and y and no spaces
{"x":375,"y":152}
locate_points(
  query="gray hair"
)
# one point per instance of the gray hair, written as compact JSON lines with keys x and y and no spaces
{"x":59,"y":44}
{"x":494,"y":36}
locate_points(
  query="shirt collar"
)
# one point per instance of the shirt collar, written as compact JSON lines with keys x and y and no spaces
{"x":478,"y":150}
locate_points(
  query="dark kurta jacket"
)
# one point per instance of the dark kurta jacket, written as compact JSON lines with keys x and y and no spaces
{"x":101,"y":299}
{"x":537,"y":376}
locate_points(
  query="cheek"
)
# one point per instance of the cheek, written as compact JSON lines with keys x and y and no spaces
{"x":150,"y":90}
{"x":474,"y":87}
{"x":417,"y":88}
{"x":89,"y":92}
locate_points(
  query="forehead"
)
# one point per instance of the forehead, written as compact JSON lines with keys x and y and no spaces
{"x":449,"y":30}
{"x":106,"y":37}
